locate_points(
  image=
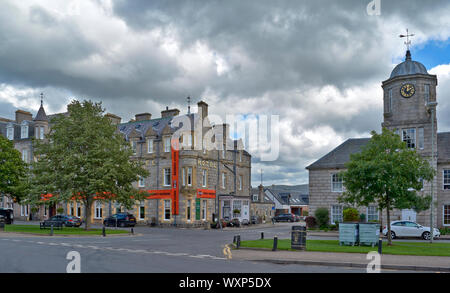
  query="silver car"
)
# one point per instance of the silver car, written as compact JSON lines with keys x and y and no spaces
{"x":410,"y":229}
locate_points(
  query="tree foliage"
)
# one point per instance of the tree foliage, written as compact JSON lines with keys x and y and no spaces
{"x":13,"y":171}
{"x":388,"y":173}
{"x":322,"y":217}
{"x":85,"y":158}
{"x":350,"y":215}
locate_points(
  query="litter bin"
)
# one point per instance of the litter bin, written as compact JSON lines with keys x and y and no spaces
{"x":348,"y":234}
{"x":369,"y":234}
{"x":298,"y":237}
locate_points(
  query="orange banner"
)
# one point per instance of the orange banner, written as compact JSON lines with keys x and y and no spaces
{"x":206,"y":193}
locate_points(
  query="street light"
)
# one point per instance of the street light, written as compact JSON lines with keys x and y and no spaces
{"x":431,"y":106}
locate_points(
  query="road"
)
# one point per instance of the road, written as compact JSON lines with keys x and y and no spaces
{"x":151,"y":250}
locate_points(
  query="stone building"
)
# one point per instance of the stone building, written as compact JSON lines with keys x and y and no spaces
{"x":409,"y":109}
{"x":21,"y":131}
{"x":185,"y":187}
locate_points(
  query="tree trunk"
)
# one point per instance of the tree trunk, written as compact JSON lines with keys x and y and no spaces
{"x":87,"y":213}
{"x":388,"y":219}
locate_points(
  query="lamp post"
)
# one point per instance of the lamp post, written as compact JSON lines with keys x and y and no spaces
{"x":432,"y":107}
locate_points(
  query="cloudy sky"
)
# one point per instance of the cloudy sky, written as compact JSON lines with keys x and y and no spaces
{"x":317,"y":64}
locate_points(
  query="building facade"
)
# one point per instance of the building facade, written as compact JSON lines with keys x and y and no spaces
{"x":186,"y":186}
{"x":410,"y":111}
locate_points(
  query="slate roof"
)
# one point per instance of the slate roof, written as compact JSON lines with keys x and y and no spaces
{"x":443,"y":147}
{"x":408,"y":67}
{"x":41,"y":116}
{"x":340,"y":155}
{"x":17,"y":129}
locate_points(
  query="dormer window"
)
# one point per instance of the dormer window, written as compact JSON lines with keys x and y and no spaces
{"x":10,"y":132}
{"x":24,"y":130}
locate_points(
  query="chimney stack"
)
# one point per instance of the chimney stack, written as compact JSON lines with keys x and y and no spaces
{"x":169,"y":113}
{"x":261,"y":193}
{"x":143,"y":117}
{"x":202,"y":109}
{"x":114,"y":118}
{"x":23,"y":116}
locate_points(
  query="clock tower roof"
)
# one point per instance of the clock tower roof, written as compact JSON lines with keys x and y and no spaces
{"x":408,"y":67}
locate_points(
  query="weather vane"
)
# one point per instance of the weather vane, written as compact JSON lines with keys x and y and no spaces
{"x":42,"y":98}
{"x":408,"y":41}
{"x":189,"y":104}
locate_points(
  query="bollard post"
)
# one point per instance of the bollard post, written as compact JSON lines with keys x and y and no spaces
{"x":238,"y":244}
{"x":380,"y":245}
{"x":275,"y":243}
{"x":132,"y":231}
{"x":234,"y":239}
{"x":262,"y":235}
{"x":51,"y":230}
{"x":104,"y":231}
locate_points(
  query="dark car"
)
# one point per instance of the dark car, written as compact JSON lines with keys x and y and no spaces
{"x":254,"y":220}
{"x":8,"y":215}
{"x":235,"y":223}
{"x":66,"y":220}
{"x":284,"y":218}
{"x":120,"y":220}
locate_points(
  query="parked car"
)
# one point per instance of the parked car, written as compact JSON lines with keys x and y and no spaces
{"x":235,"y":223}
{"x":284,"y":218}
{"x":8,"y":214}
{"x":245,"y":222}
{"x":410,"y":229}
{"x":66,"y":220}
{"x":254,"y":220}
{"x":121,"y":220}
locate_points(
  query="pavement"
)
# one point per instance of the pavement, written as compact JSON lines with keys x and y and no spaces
{"x":354,"y":260}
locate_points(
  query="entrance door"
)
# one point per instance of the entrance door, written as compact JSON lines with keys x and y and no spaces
{"x":409,"y":215}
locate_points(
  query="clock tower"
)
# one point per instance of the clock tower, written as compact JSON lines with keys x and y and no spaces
{"x":409,"y":102}
{"x":410,"y":111}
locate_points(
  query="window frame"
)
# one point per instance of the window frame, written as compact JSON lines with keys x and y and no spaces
{"x":24,"y":130}
{"x":167,"y":208}
{"x":204,"y":177}
{"x":98,"y":213}
{"x":141,"y":181}
{"x":445,"y":185}
{"x":407,"y":131}
{"x":374,"y":214}
{"x":169,"y":176}
{"x":421,"y":138}
{"x":10,"y":132}
{"x":340,"y":215}
{"x":141,"y":205}
{"x":443,"y":215}
{"x":150,"y":149}
{"x":189,"y":175}
{"x":167,"y":147}
{"x":333,"y":183}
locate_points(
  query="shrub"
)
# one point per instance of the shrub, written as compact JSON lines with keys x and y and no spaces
{"x":362,"y":217}
{"x":445,"y":231}
{"x":322,"y":217}
{"x":60,"y":210}
{"x":310,"y":222}
{"x":305,"y":213}
{"x":351,"y":215}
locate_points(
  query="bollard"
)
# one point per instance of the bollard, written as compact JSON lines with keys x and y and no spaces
{"x":380,"y":245}
{"x":275,"y":243}
{"x":104,"y":231}
{"x":238,"y":241}
{"x":234,"y":239}
{"x":51,"y":230}
{"x":132,"y":230}
{"x":262,"y":235}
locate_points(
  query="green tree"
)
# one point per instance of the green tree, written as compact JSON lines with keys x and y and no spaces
{"x":322,"y":216}
{"x":350,"y":215}
{"x":13,"y":171}
{"x":85,"y":158}
{"x":388,"y":173}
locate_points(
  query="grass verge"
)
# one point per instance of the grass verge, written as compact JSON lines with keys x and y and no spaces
{"x":398,"y":248}
{"x":32,"y":229}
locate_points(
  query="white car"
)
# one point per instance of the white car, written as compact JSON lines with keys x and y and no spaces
{"x":410,"y":229}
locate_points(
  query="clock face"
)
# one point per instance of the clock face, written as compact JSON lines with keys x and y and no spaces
{"x":407,"y":90}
